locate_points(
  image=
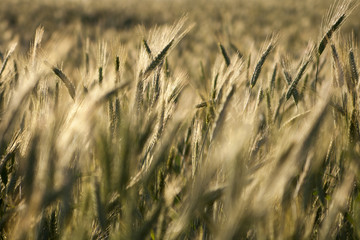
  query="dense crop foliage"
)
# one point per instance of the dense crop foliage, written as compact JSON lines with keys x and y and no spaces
{"x":104,"y":137}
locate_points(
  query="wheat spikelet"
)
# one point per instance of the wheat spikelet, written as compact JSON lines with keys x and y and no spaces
{"x":16,"y":76}
{"x":354,"y":72}
{"x":285,"y":67}
{"x":147,"y":48}
{"x":329,"y":33}
{"x":101,"y":77}
{"x":260,"y":97}
{"x":69,"y":85}
{"x":339,"y":67}
{"x":288,"y":78}
{"x":158,"y":59}
{"x":290,"y":91}
{"x":273,"y":78}
{"x":268,"y":106}
{"x":270,"y":45}
{"x":336,"y":16}
{"x":225,"y":55}
{"x":236,"y":50}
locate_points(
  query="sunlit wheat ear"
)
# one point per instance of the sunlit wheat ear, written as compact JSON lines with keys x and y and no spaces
{"x":290,"y":92}
{"x":353,"y":68}
{"x":7,"y":56}
{"x":269,"y":46}
{"x":16,"y":104}
{"x":159,"y":42}
{"x":225,"y":55}
{"x":157,"y":60}
{"x":336,"y":16}
{"x":69,"y":85}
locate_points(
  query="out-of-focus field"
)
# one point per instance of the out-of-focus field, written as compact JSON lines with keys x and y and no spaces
{"x":244,"y":23}
{"x":179,"y":119}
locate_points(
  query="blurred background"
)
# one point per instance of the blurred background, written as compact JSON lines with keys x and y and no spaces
{"x":242,"y":22}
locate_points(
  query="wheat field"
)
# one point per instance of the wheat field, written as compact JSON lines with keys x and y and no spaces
{"x":179,"y":119}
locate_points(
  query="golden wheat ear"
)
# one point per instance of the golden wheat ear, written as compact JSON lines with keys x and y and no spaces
{"x":269,"y":47}
{"x":68,"y":83}
{"x":308,"y":56}
{"x":336,"y":16}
